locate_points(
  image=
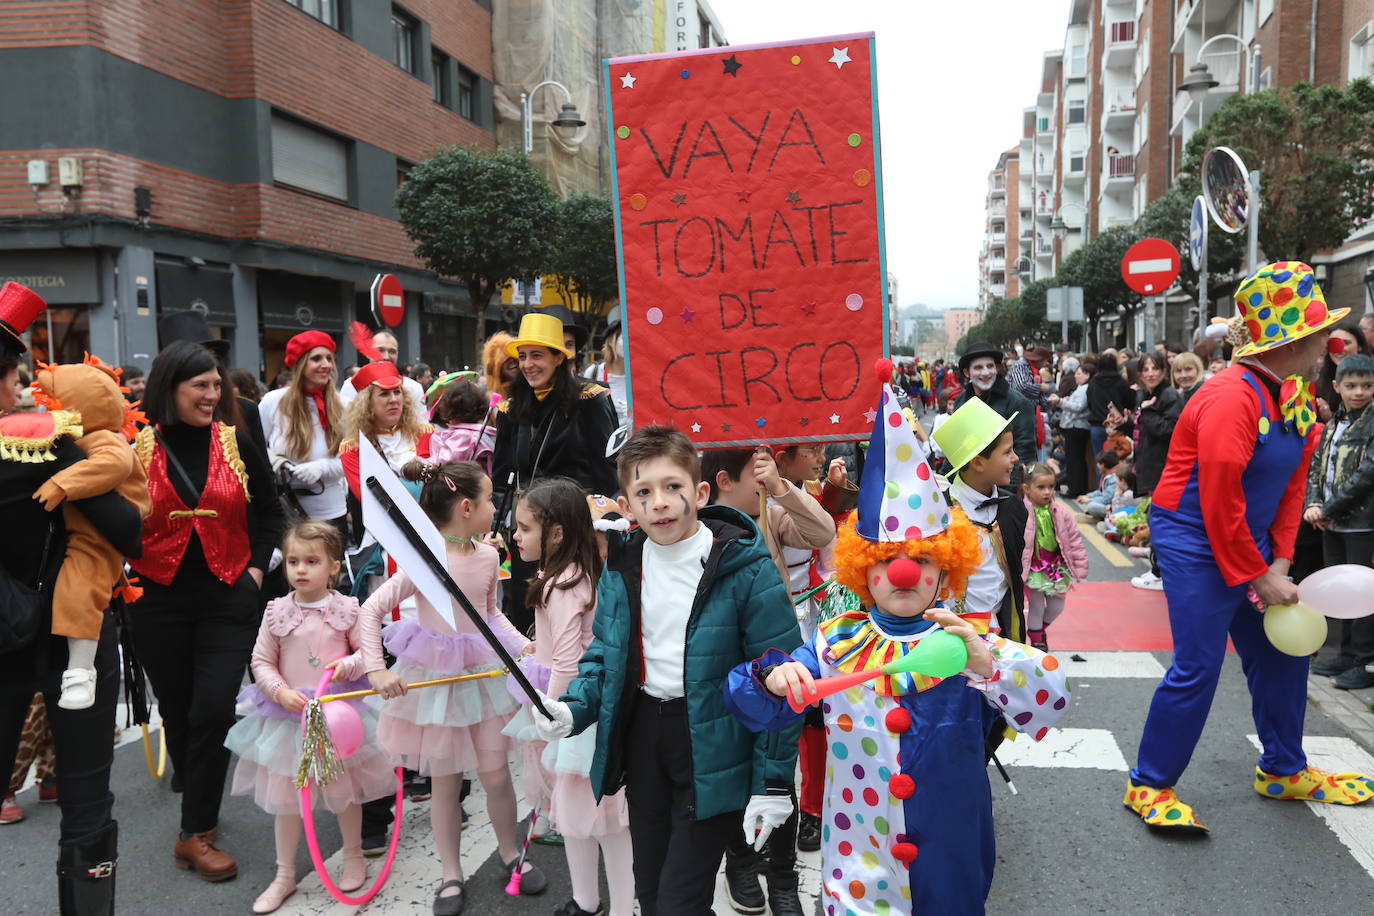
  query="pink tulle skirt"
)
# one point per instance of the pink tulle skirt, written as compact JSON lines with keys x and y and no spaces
{"x":554,"y":777}
{"x":269,"y":750}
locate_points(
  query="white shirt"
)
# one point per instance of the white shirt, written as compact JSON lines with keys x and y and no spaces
{"x":671,"y":574}
{"x":616,"y":383}
{"x":411,"y":387}
{"x":988,"y":584}
{"x":330,"y":503}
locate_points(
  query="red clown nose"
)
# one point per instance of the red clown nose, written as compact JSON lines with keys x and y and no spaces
{"x":903,"y":573}
{"x":1335,"y":345}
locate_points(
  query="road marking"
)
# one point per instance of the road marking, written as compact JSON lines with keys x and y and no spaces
{"x":1104,"y":546}
{"x":1352,"y":824}
{"x":1066,"y":748}
{"x":1109,"y":665}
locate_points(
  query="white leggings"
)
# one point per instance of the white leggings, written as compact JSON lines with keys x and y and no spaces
{"x":1041,"y":609}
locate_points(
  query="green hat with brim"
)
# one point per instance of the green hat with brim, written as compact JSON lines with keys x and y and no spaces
{"x":969,"y":430}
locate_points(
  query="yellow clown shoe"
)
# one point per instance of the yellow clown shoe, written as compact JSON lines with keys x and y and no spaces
{"x":1312,"y":784}
{"x":1161,"y":808}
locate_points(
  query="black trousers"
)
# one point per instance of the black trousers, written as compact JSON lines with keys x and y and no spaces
{"x":194,"y":643}
{"x":1356,"y":636}
{"x":1076,"y":446}
{"x":83,"y":740}
{"x":676,"y":855}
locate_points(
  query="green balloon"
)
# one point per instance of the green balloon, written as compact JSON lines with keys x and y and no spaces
{"x":940,"y":654}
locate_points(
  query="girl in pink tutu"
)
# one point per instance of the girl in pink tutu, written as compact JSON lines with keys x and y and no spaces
{"x":443,"y":731}
{"x":302,"y":633}
{"x":553,"y":527}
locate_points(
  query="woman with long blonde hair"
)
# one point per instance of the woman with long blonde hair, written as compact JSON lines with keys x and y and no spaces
{"x":303,"y":424}
{"x":385,"y":416}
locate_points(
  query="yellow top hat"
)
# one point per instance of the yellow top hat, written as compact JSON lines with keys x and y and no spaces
{"x":1281,"y":303}
{"x":538,"y":330}
{"x":969,"y":430}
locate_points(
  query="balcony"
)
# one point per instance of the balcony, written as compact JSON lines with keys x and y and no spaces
{"x":1043,"y":209}
{"x":1120,"y":44}
{"x":997,"y":264}
{"x":997,"y":290}
{"x":1027,"y":232}
{"x":1120,"y":166}
{"x":1043,"y":248}
{"x":998,"y":237}
{"x":1044,"y":126}
{"x":1119,"y":114}
{"x":997,"y":208}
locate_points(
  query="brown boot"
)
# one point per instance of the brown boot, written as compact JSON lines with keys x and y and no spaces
{"x":198,"y":851}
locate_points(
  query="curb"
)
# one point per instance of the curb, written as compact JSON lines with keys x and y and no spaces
{"x":1350,"y":708}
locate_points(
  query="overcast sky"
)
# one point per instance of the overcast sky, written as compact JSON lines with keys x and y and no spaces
{"x":953,"y":79}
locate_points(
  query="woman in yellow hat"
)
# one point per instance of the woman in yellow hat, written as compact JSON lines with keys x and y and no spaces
{"x":1222,"y":522}
{"x":553,"y":424}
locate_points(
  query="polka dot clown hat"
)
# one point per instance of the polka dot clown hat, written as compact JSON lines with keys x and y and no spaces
{"x":899,"y":496}
{"x":1281,"y":303}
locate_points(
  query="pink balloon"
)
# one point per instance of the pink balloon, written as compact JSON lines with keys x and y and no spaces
{"x":345,"y":727}
{"x":1345,"y":591}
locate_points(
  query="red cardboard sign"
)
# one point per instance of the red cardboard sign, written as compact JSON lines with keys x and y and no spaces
{"x":749,"y":230}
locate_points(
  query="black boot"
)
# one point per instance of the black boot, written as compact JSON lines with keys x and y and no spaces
{"x":86,"y":873}
{"x":809,"y":832}
{"x":782,"y":869}
{"x":742,"y":877}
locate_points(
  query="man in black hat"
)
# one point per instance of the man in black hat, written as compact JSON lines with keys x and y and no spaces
{"x":192,"y":326}
{"x":574,"y":335}
{"x":981,"y":364}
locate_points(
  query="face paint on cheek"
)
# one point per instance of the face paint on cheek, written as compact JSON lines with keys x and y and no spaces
{"x":877,"y":579}
{"x":930,"y":580}
{"x":686,"y":507}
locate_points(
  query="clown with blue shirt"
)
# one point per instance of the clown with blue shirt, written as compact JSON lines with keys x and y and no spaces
{"x":908,"y":811}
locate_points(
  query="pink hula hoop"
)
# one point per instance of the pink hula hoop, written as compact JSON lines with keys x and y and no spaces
{"x":311,"y":843}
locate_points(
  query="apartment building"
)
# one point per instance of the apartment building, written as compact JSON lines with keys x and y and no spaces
{"x":997,"y":279}
{"x":235,"y":159}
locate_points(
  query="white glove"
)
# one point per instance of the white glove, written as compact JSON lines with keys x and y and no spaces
{"x":277,"y":459}
{"x":309,"y":472}
{"x":560,"y":726}
{"x":763,"y":815}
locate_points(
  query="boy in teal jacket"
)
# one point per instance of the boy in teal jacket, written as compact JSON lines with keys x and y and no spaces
{"x":684,"y":598}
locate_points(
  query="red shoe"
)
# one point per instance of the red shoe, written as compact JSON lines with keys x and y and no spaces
{"x":10,"y":812}
{"x":47,"y":791}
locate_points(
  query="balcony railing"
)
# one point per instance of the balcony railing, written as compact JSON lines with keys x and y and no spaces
{"x":998,"y":209}
{"x":997,"y":264}
{"x":1044,"y":208}
{"x":1122,"y":32}
{"x":999,"y":237}
{"x":1042,"y":246}
{"x":1042,"y":125}
{"x":1027,"y":232}
{"x":1120,"y":166}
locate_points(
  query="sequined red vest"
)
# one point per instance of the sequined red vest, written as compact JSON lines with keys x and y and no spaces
{"x":220,"y":519}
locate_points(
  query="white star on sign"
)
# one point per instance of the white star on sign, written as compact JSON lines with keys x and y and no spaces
{"x":696,"y":427}
{"x":834,"y":418}
{"x":840,"y":57}
{"x":627,"y":81}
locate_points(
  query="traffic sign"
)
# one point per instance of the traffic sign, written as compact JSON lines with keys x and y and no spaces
{"x":388,"y":300}
{"x":1197,"y":232}
{"x":1150,"y":266}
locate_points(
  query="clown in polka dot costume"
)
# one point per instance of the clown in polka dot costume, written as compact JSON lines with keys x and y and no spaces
{"x":907,"y":819}
{"x":1223,"y":520}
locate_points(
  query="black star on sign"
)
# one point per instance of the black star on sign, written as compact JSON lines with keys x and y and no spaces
{"x":679,"y":198}
{"x":793,"y":197}
{"x":732,"y":66}
{"x":805,"y":420}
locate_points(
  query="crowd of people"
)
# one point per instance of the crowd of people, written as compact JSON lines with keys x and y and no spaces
{"x":676,"y":612}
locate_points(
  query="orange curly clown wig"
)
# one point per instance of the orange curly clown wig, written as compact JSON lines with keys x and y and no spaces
{"x":956,"y":550}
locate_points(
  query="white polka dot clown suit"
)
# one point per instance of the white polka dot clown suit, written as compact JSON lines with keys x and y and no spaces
{"x":907,"y":819}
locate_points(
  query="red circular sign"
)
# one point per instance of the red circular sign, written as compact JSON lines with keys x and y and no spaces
{"x":1150,"y":266}
{"x":388,"y":300}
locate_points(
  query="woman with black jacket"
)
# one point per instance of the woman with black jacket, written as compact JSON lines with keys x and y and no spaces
{"x":1160,"y":406}
{"x":1107,"y":390}
{"x":214,"y":525}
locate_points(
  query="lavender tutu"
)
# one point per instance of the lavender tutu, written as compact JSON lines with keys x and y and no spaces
{"x":267,"y":742}
{"x":438,"y":731}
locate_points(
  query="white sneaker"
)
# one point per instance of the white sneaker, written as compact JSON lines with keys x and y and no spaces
{"x":78,"y":688}
{"x":1148,"y":581}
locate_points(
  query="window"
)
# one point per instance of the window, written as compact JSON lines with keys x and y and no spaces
{"x":403,"y":171}
{"x":1266,"y":8}
{"x":1076,"y":158}
{"x":309,"y":159}
{"x":327,"y":11}
{"x":1362,"y":52}
{"x":1266,"y":78}
{"x":467,"y":93}
{"x":1078,"y":61}
{"x":403,"y":31}
{"x":439,"y":66}
{"x":1077,"y":111}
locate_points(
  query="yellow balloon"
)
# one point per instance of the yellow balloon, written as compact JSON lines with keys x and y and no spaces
{"x":1294,"y":629}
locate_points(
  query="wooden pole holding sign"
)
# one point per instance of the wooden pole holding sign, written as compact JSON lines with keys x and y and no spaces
{"x":748,"y":191}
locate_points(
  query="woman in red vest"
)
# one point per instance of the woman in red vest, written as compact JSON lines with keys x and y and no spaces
{"x":214,"y":524}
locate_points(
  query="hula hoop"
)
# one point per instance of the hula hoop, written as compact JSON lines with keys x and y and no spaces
{"x":155,"y":771}
{"x":311,"y":843}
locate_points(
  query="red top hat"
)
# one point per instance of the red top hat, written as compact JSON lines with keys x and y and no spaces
{"x":19,"y":306}
{"x":381,"y":373}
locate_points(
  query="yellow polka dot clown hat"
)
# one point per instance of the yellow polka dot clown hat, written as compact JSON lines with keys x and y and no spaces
{"x":1281,"y":303}
{"x":899,"y":496}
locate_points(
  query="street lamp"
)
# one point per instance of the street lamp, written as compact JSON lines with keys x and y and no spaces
{"x":1060,"y":228}
{"x":1200,"y":80}
{"x":568,"y":119}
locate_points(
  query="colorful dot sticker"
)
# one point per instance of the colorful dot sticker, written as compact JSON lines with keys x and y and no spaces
{"x":654,"y":315}
{"x":796,"y":59}
{"x":686,"y":73}
{"x":622,"y":132}
{"x":853,"y":302}
{"x":862,"y":177}
{"x":854,"y":140}
{"x":638,"y":201}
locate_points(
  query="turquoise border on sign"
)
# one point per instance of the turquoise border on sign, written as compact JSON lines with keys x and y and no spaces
{"x":878,"y":190}
{"x":619,"y":244}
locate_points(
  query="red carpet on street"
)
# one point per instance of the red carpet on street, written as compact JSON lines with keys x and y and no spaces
{"x":1113,"y":616}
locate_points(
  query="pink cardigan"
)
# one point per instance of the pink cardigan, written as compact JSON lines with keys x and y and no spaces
{"x":1066,"y":532}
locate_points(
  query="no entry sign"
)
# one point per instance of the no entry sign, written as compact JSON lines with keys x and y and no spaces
{"x":749,"y":229}
{"x":388,"y":300}
{"x":1150,"y":266}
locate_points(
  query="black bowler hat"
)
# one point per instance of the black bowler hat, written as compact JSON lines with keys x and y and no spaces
{"x":191,"y":326}
{"x":570,"y":323}
{"x":975,"y":350}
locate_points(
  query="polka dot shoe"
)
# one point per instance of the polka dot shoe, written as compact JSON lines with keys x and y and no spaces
{"x":1161,"y":808}
{"x":1312,"y":784}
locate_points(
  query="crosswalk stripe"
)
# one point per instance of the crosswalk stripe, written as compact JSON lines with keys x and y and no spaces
{"x":1109,"y":665}
{"x":1066,"y":748}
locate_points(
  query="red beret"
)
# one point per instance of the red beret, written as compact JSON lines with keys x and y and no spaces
{"x":382,"y":374}
{"x":303,"y":343}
